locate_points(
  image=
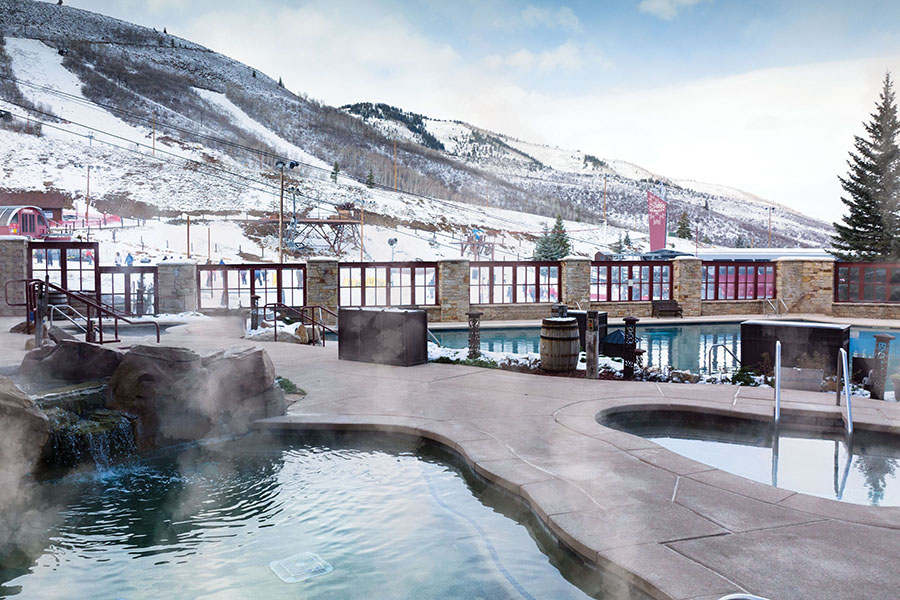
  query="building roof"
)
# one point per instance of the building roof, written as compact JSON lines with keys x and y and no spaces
{"x":44,"y":200}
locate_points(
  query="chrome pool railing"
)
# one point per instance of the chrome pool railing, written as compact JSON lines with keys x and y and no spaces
{"x":843,"y":369}
{"x":741,"y":597}
{"x":777,"y":381}
{"x":727,"y":349}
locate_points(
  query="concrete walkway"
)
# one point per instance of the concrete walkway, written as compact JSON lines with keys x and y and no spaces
{"x":676,"y":528}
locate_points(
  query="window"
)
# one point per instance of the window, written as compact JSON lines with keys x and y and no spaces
{"x":387,"y":284}
{"x":508,"y":283}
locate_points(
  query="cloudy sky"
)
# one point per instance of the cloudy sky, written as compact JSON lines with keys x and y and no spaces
{"x":765,"y":95}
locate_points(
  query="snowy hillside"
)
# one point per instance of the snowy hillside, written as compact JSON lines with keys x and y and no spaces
{"x":168,"y":127}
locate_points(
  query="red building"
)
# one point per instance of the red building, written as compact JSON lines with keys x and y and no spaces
{"x":23,"y":220}
{"x":51,"y":202}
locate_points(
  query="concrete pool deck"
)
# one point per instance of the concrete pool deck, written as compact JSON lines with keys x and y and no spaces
{"x":677,"y":528}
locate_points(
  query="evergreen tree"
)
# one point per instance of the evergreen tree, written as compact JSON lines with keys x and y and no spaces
{"x":740,"y":242}
{"x":554,"y":243}
{"x":684,"y":227}
{"x":706,"y":204}
{"x":335,"y":171}
{"x":370,"y":179}
{"x":627,"y":242}
{"x":280,"y":84}
{"x":618,"y":247}
{"x":869,"y":229}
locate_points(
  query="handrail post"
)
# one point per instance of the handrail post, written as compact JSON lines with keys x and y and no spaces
{"x":777,"y":381}
{"x":844,"y":371}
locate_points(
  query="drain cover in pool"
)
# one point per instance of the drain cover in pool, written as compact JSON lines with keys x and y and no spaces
{"x":300,"y":567}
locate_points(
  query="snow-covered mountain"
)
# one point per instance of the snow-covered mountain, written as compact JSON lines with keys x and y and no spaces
{"x":170,"y":127}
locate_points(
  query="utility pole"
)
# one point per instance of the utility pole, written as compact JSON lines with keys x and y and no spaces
{"x":154,"y":132}
{"x":87,"y":194}
{"x":209,"y":243}
{"x":189,"y":236}
{"x":395,"y":165}
{"x":362,"y":221}
{"x":770,"y":210}
{"x":281,"y":219}
{"x":605,"y":222}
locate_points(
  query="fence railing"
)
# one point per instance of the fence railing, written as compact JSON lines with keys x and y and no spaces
{"x":388,"y":284}
{"x":130,"y":290}
{"x":867,"y":282}
{"x":515,"y":282}
{"x":231,"y":286}
{"x":631,"y":281}
{"x":730,"y":280}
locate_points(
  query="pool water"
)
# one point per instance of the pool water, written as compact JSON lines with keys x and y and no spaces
{"x":391,"y":517}
{"x":825,"y":463}
{"x":685,"y":347}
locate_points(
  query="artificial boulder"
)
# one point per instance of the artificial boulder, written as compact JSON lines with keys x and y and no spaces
{"x":24,"y":429}
{"x":178,"y":396}
{"x":71,"y":361}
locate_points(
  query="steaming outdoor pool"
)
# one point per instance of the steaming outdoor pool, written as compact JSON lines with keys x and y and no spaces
{"x":820,"y":462}
{"x":684,"y":347}
{"x":391,"y":517}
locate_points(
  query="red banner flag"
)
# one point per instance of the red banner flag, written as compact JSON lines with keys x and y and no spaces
{"x":657,"y":210}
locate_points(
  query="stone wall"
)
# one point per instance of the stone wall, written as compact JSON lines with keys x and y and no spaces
{"x":13,"y":265}
{"x":863,"y":310}
{"x":514,"y":312}
{"x":322,"y":281}
{"x":618,"y":310}
{"x":453,"y":290}
{"x":177,"y":286}
{"x":712,"y":308}
{"x":806,"y":286}
{"x":576,"y":281}
{"x":686,"y":280}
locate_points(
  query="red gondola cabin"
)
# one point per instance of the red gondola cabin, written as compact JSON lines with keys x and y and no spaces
{"x":23,"y":220}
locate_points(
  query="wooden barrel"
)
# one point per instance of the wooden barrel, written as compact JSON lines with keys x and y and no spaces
{"x":560,"y":344}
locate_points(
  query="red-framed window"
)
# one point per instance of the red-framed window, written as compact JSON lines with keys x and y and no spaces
{"x":388,"y":284}
{"x":867,"y":282}
{"x":632,"y":281}
{"x":232,"y":286}
{"x":514,"y":282}
{"x":727,"y":280}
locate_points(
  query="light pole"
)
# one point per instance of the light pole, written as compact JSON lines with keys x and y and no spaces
{"x":280,"y":165}
{"x":770,"y":210}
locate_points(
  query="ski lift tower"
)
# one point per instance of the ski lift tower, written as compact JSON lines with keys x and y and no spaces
{"x":478,"y":244}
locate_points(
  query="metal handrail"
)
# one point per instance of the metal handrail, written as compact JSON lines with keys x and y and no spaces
{"x":54,"y":307}
{"x":727,"y":349}
{"x":31,"y":286}
{"x":772,"y":305}
{"x":300,"y":312}
{"x":433,"y":337}
{"x":782,"y":302}
{"x":741,"y":597}
{"x":777,"y":381}
{"x":843,"y":367}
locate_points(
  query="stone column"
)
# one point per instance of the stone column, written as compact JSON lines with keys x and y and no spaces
{"x":686,"y":282}
{"x":177,"y":286}
{"x":806,"y":285}
{"x":13,"y":265}
{"x":453,"y":289}
{"x":576,"y":281}
{"x":322,"y":284}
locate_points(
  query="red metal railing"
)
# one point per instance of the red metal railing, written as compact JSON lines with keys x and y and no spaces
{"x":305,"y":314}
{"x":631,"y":281}
{"x":388,"y":284}
{"x":232,"y":286}
{"x":94,"y":311}
{"x":515,"y":282}
{"x":737,"y":280}
{"x":867,"y":282}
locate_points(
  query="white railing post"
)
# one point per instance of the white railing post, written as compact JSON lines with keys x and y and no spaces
{"x":777,"y":381}
{"x":843,"y":380}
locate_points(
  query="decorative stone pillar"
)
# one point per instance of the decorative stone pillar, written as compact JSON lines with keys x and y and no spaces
{"x":806,"y":285}
{"x":178,"y":291}
{"x":882,"y":353}
{"x":630,"y":357}
{"x":686,"y":282}
{"x":474,"y":334}
{"x":322,"y":285}
{"x":576,"y":281}
{"x":13,"y":265}
{"x":453,"y":289}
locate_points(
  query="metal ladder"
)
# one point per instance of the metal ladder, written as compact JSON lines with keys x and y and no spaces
{"x":727,"y":349}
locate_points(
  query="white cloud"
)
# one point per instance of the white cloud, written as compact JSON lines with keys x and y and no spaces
{"x":665,"y":9}
{"x":563,"y":18}
{"x":567,"y":56}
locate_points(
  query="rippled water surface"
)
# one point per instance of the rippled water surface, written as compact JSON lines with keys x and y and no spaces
{"x":393,"y":519}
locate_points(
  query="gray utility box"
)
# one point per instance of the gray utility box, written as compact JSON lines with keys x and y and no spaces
{"x":384,"y":336}
{"x":796,"y":337}
{"x":581,"y":317}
